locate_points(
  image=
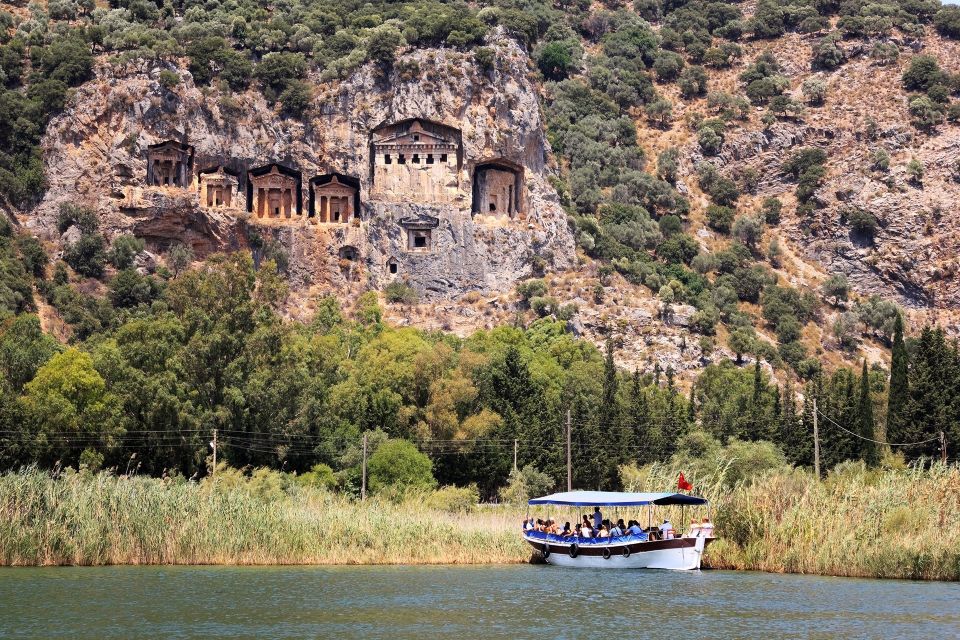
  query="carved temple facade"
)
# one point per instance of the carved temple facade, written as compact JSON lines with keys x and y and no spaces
{"x":411,"y":162}
{"x":416,"y":160}
{"x":170,"y":164}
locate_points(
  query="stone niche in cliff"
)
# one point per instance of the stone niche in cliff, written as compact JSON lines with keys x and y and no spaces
{"x":420,"y":233}
{"x":498,"y":189}
{"x":169,"y":164}
{"x":415,"y":160}
{"x":218,"y":188}
{"x":334,"y":199}
{"x":274,"y":192}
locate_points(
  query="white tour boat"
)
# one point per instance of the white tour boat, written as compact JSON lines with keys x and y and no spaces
{"x":647,"y":550}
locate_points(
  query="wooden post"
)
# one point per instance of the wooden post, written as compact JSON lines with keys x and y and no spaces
{"x":363,"y":477}
{"x":816,"y":442}
{"x":943,"y":447}
{"x":214,"y":445}
{"x":569,"y":465}
{"x":514,"y":455}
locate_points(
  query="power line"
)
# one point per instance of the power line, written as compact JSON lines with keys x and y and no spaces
{"x":890,"y":444}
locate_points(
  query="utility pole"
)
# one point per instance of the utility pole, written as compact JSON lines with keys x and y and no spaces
{"x":816,"y":442}
{"x":569,"y":465}
{"x":943,"y":447}
{"x":514,"y":455}
{"x":363,"y":477}
{"x":214,"y":445}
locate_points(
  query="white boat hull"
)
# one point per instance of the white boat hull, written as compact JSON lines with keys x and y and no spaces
{"x":680,"y":554}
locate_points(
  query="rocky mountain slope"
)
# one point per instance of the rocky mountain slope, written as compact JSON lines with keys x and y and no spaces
{"x":96,"y":155}
{"x":881,"y":212}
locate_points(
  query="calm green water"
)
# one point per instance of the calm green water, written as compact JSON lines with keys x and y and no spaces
{"x":471,"y":603}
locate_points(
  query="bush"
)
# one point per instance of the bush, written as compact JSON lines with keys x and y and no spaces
{"x":846,"y":329}
{"x":862,"y":222}
{"x":771,"y":210}
{"x":382,"y":45}
{"x":277,"y":70}
{"x":667,"y":65}
{"x":720,"y":218}
{"x":87,"y":256}
{"x":531,"y":289}
{"x":124,"y":250}
{"x":296,"y":98}
{"x":398,"y":465}
{"x":880,"y":160}
{"x":401,"y":293}
{"x":837,"y":287}
{"x":710,"y":140}
{"x":947,"y":21}
{"x":320,"y":476}
{"x":453,"y":499}
{"x":748,"y":230}
{"x":524,"y":484}
{"x":815,"y":90}
{"x":828,"y":54}
{"x":693,"y":82}
{"x":556,"y":60}
{"x":129,"y":289}
{"x":915,"y":170}
{"x":922,"y":73}
{"x":925,"y":114}
{"x":680,"y":248}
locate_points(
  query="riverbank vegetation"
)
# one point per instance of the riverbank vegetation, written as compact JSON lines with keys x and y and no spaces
{"x":887,"y":523}
{"x":142,"y":386}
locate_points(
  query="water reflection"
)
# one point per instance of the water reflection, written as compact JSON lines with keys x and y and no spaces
{"x":435,"y":602}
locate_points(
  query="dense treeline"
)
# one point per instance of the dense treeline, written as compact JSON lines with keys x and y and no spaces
{"x":147,"y":378}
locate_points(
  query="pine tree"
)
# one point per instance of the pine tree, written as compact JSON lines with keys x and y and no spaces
{"x":898,"y":399}
{"x":868,"y":448}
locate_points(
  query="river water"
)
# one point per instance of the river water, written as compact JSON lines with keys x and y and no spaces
{"x":473,"y":603}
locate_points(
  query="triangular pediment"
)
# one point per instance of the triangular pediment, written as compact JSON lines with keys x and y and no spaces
{"x":419,"y":221}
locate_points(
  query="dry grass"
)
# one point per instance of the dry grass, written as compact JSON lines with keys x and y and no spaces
{"x":103,"y":519}
{"x":895,"y":523}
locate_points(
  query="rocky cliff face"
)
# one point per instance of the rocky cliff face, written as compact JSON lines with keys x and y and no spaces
{"x":96,"y":155}
{"x":912,"y":256}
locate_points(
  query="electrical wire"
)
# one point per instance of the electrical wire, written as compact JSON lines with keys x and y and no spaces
{"x":890,"y":444}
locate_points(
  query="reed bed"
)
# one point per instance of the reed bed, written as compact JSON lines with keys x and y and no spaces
{"x":901,"y":523}
{"x":103,"y":519}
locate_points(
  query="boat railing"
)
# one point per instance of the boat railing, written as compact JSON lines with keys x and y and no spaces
{"x":550,"y":537}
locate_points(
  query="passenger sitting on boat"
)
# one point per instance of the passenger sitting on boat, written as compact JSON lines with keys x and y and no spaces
{"x":539,"y":525}
{"x":603,"y":532}
{"x":552,"y":526}
{"x":694,"y":530}
{"x":706,"y":528}
{"x":617,"y":529}
{"x":586,"y":531}
{"x":528,"y":524}
{"x":666,"y":530}
{"x":634,"y":528}
{"x":566,"y":533}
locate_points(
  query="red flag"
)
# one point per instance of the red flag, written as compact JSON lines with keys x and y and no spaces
{"x":682,"y":483}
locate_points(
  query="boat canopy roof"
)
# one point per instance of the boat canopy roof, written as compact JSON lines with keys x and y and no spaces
{"x":615,"y":499}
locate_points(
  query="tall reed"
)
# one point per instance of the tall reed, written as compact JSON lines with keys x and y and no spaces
{"x":889,"y":523}
{"x":896,"y":523}
{"x":102,"y":519}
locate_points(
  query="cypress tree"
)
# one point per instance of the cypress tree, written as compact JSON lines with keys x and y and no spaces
{"x":898,"y":399}
{"x":610,"y":426}
{"x":868,"y":449}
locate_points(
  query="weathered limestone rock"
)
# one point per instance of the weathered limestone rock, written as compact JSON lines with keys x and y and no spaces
{"x":97,"y":155}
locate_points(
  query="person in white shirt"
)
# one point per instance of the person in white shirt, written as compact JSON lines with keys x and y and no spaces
{"x":666,"y":530}
{"x":603,"y":532}
{"x":694,"y":530}
{"x":706,"y":528}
